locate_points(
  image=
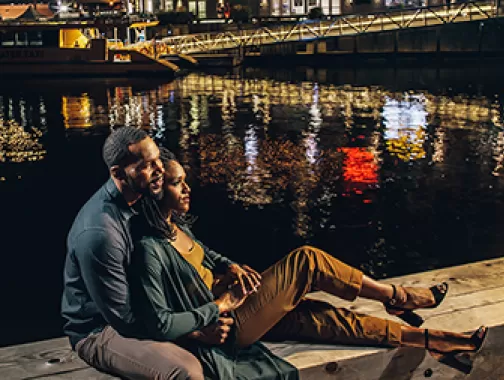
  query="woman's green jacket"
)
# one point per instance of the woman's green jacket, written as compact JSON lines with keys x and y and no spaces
{"x":171,"y":300}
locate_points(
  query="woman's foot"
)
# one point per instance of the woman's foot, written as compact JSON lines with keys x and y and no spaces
{"x":406,"y":298}
{"x":455,"y":350}
{"x":452,"y":343}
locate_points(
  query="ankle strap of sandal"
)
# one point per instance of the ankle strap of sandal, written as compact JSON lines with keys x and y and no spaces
{"x":393,"y":299}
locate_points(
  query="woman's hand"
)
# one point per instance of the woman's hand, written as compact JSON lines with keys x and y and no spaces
{"x":231,"y":299}
{"x":248,"y":279}
{"x":215,"y":333}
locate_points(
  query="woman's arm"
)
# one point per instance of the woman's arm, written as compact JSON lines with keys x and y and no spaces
{"x":162,"y":322}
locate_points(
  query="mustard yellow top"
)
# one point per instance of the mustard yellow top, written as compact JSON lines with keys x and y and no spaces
{"x":195,"y":258}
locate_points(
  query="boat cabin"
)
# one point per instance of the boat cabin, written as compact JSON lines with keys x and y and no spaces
{"x":51,"y":41}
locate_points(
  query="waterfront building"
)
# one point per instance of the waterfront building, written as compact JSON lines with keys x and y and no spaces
{"x":31,"y":11}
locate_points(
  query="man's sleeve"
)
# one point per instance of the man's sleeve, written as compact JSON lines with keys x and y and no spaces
{"x":161,"y":321}
{"x":102,"y":258}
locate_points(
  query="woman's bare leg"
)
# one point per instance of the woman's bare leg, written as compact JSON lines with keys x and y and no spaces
{"x":374,"y":290}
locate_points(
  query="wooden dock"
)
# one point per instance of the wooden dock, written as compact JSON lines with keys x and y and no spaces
{"x":476,"y":298}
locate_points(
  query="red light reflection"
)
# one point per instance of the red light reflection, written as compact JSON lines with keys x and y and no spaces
{"x":359,"y":169}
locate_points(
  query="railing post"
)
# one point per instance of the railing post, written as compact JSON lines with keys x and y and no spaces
{"x":396,"y":43}
{"x":438,"y":41}
{"x":480,"y":36}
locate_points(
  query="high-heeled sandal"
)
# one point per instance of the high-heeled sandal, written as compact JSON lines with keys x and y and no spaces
{"x":408,"y":315}
{"x":460,"y":360}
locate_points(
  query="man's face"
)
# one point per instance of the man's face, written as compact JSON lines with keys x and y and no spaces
{"x":145,"y":175}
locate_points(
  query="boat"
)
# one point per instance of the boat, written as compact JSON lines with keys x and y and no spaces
{"x":74,"y":48}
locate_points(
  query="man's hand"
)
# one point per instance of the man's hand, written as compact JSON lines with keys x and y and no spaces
{"x":248,"y":279}
{"x":214,"y":334}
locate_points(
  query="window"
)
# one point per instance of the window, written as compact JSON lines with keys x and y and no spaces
{"x":192,"y":7}
{"x":35,"y":38}
{"x":21,"y":39}
{"x":168,"y":5}
{"x":312,"y":3}
{"x":8,"y":39}
{"x":50,"y":38}
{"x":202,"y":9}
{"x":275,"y":7}
{"x":298,"y":3}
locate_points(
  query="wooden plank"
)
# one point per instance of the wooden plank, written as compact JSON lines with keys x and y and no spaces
{"x":409,"y":364}
{"x":476,"y":297}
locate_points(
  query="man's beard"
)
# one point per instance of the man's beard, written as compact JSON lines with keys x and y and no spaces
{"x":144,"y":191}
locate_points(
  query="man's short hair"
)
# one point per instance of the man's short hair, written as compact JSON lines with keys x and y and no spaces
{"x":116,"y":147}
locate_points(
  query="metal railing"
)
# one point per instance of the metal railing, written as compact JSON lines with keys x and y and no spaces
{"x":338,"y":26}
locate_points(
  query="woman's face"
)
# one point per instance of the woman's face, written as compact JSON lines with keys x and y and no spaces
{"x":177,"y":192}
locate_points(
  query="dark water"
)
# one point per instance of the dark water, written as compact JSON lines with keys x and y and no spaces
{"x":391,"y":170}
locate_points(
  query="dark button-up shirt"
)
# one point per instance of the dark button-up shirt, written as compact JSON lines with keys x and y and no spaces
{"x":99,"y":247}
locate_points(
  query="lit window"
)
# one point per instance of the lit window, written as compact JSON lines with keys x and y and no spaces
{"x":35,"y":38}
{"x":202,"y":9}
{"x":8,"y":39}
{"x":168,"y":5}
{"x":192,"y":7}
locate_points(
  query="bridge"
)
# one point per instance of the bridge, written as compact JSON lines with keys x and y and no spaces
{"x":345,"y":25}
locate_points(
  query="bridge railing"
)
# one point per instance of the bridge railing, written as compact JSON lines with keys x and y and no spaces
{"x":337,"y":26}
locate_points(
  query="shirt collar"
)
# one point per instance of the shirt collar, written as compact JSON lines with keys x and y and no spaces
{"x":117,"y":197}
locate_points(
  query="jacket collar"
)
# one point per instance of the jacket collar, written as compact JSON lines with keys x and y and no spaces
{"x":118,"y":199}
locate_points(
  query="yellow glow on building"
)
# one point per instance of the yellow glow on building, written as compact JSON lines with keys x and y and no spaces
{"x":73,"y":38}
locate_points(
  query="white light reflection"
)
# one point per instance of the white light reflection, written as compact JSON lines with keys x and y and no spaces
{"x":310,"y":140}
{"x":498,"y":153}
{"x":22,"y":112}
{"x":251,"y":150}
{"x":10,"y":109}
{"x":405,"y":123}
{"x":194,"y":114}
{"x":43,"y":113}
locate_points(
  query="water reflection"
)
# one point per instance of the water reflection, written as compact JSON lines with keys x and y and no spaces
{"x":330,"y":156}
{"x":237,"y":123}
{"x":18,"y":145}
{"x":405,"y":122}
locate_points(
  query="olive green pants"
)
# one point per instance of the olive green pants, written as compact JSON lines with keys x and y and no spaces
{"x":279,"y":311}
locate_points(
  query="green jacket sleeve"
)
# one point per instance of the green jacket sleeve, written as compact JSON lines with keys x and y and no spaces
{"x":161,"y":322}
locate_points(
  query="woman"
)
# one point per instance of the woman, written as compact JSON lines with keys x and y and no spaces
{"x":187,"y":293}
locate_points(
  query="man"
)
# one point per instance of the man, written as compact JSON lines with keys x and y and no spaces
{"x":95,"y":302}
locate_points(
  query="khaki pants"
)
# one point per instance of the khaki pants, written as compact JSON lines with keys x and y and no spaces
{"x":135,"y":359}
{"x":279,"y":311}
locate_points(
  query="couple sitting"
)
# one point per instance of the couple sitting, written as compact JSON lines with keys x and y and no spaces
{"x":144,"y":299}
